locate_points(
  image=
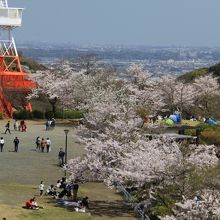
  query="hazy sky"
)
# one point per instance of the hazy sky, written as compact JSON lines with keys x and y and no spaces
{"x":135,"y":22}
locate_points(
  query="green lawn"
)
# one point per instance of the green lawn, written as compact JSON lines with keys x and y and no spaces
{"x":21,"y":173}
{"x":13,"y":198}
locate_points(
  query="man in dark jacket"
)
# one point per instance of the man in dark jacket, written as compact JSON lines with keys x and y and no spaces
{"x":7,"y":128}
{"x":61,"y":157}
{"x":16,"y":143}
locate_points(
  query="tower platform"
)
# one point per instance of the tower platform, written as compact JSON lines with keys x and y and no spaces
{"x":10,"y":17}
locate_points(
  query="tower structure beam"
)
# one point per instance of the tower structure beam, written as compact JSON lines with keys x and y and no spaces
{"x":12,"y":77}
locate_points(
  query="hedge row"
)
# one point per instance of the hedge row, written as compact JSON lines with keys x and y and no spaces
{"x":210,"y":134}
{"x":36,"y":114}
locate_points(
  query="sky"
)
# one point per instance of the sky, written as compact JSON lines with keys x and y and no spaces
{"x":120,"y":22}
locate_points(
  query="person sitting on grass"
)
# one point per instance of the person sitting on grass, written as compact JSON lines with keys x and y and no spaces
{"x":58,"y":183}
{"x":55,"y":194}
{"x":81,"y":205}
{"x":32,"y":204}
{"x":84,"y":203}
{"x":52,"y":191}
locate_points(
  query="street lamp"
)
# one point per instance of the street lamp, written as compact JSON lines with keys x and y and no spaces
{"x":66,"y":131}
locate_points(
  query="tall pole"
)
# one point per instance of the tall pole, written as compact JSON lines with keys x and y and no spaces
{"x":66,"y":150}
{"x":66,"y":133}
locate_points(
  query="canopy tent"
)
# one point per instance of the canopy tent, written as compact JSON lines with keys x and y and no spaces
{"x":211,"y":121}
{"x":173,"y":119}
{"x":169,"y":121}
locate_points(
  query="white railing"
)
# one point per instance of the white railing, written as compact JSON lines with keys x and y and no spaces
{"x":4,"y":3}
{"x":128,"y":198}
{"x":10,"y":16}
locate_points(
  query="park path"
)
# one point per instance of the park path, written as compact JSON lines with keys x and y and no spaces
{"x":29,"y":167}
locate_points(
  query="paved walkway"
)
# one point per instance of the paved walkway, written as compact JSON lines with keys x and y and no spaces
{"x":29,"y":166}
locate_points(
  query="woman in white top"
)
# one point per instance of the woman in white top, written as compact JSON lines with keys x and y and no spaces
{"x":48,"y":145}
{"x":2,"y":142}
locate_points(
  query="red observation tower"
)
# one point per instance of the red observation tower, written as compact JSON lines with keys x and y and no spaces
{"x":14,"y":86}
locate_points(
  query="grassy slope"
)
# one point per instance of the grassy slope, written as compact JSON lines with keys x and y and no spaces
{"x":190,"y":76}
{"x":105,"y":204}
{"x":11,"y":204}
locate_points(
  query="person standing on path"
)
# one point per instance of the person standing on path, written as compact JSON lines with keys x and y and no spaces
{"x":38,"y":142}
{"x":15,"y":124}
{"x":42,"y":144}
{"x":61,"y":157}
{"x":41,"y":188}
{"x":7,"y":127}
{"x":48,"y":145}
{"x":2,"y":142}
{"x":75,"y":187}
{"x":16,"y":143}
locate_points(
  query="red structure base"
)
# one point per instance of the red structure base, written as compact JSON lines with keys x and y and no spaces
{"x":14,"y":86}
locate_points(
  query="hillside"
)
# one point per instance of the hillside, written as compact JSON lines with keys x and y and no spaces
{"x":30,"y":64}
{"x":190,"y":76}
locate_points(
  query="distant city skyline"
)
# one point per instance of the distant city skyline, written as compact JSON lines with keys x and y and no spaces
{"x":120,"y":22}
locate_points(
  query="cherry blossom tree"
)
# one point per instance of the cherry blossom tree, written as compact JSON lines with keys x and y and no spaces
{"x":206,"y":88}
{"x":204,"y":207}
{"x":143,"y":88}
{"x":117,"y":147}
{"x":175,"y":94}
{"x":48,"y":83}
{"x":188,"y":97}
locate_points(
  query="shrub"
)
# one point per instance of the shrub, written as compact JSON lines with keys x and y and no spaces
{"x":210,"y":134}
{"x":74,"y":114}
{"x":69,"y":114}
{"x":59,"y":115}
{"x":163,"y":206}
{"x":38,"y":114}
{"x":142,"y":112}
{"x":1,"y":115}
{"x":191,"y":132}
{"x":22,"y":114}
{"x":211,"y":137}
{"x":49,"y":114}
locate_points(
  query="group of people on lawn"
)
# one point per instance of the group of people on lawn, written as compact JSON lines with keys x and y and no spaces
{"x":59,"y":191}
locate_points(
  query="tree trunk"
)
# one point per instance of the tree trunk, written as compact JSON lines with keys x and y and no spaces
{"x":53,"y":104}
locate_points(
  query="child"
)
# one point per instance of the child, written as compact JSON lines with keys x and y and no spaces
{"x":41,"y":187}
